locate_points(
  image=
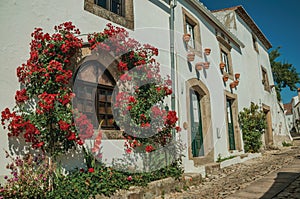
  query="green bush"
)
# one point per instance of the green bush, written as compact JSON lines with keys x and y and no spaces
{"x":286,"y":144}
{"x":106,"y":181}
{"x":253,"y":124}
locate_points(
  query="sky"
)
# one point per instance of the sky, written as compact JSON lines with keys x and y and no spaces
{"x":279,"y":20}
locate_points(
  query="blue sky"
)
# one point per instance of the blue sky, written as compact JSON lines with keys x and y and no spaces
{"x":279,"y":20}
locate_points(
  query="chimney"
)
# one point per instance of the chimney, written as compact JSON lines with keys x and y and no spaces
{"x":298,"y":93}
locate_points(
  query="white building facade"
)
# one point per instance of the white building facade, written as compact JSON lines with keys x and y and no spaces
{"x":206,"y":105}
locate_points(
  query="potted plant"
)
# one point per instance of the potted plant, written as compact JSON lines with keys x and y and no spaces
{"x":237,"y":76}
{"x":207,"y":51}
{"x":191,"y":56}
{"x":232,"y":85}
{"x":225,"y":78}
{"x":199,"y":65}
{"x":206,"y":64}
{"x":186,"y":37}
{"x":222,"y":65}
{"x":236,"y":82}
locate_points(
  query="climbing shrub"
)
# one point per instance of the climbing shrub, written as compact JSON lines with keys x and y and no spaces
{"x":253,"y":123}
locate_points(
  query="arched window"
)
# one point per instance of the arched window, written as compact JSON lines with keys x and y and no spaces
{"x":93,"y":87}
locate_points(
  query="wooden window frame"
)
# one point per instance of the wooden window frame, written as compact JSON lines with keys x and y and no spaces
{"x":108,"y":6}
{"x":225,"y":47}
{"x":255,"y":43}
{"x":126,"y":20}
{"x":188,"y":18}
{"x":265,"y":79}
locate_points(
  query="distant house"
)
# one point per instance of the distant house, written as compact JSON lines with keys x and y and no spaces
{"x":207,"y":105}
{"x":288,"y":111}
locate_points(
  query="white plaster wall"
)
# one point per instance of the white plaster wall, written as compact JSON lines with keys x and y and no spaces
{"x":19,"y":18}
{"x":251,"y":88}
{"x":289,"y":121}
{"x":211,"y":77}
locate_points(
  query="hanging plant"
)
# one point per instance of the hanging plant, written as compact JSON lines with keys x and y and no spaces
{"x":191,"y":56}
{"x":222,"y":65}
{"x":206,"y":65}
{"x":199,"y":65}
{"x":207,"y":51}
{"x":225,"y":78}
{"x":232,"y":85}
{"x":236,"y":82}
{"x":186,"y":37}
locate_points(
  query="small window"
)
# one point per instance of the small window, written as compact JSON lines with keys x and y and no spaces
{"x":255,"y":44}
{"x":265,"y":80}
{"x":118,"y":11}
{"x":115,"y":6}
{"x":225,"y":56}
{"x":225,"y":60}
{"x":191,"y":26}
{"x":190,"y":30}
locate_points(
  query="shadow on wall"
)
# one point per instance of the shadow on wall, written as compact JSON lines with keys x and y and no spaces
{"x":68,"y":161}
{"x":282,"y":181}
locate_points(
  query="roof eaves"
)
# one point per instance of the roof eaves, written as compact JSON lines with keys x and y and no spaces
{"x":250,"y":22}
{"x":214,"y":20}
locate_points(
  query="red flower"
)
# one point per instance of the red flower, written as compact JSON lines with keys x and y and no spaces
{"x":91,"y":170}
{"x":171,"y":118}
{"x":71,"y":136}
{"x":146,"y":125}
{"x":21,"y":96}
{"x":131,"y":99}
{"x":129,"y":178}
{"x":64,"y":125}
{"x":129,"y":108}
{"x":149,"y":148}
{"x":80,"y":142}
{"x":128,"y":151}
{"x":178,"y":129}
{"x":40,"y":144}
{"x":167,"y":90}
{"x":122,"y":66}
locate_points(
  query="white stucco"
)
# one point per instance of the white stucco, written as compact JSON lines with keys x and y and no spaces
{"x":19,"y":18}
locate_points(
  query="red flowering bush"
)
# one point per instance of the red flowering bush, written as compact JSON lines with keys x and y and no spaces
{"x":141,"y":114}
{"x":43,"y":114}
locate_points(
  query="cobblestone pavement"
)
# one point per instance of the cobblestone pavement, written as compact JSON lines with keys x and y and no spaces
{"x":229,"y":180}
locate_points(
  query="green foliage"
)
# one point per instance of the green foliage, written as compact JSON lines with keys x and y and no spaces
{"x":29,"y":177}
{"x":286,"y":144}
{"x":253,"y":124}
{"x":220,"y":159}
{"x":106,"y":181}
{"x":284,"y":73}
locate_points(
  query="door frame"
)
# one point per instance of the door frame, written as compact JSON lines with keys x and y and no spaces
{"x":268,"y":137}
{"x":236,"y":126}
{"x":207,"y":131}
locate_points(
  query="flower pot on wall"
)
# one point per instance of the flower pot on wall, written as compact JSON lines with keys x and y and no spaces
{"x":237,"y":75}
{"x":191,"y":56}
{"x":207,"y":51}
{"x":186,"y":37}
{"x":225,"y":78}
{"x":232,"y":85}
{"x":206,"y":65}
{"x":236,"y":82}
{"x":222,"y":65}
{"x":199,"y":65}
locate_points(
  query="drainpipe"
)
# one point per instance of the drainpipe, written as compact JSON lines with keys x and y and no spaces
{"x":173,"y":4}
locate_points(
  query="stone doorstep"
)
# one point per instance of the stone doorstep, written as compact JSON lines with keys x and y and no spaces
{"x":212,"y":168}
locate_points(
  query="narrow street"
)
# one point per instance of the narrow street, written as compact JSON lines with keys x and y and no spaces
{"x":274,"y":175}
